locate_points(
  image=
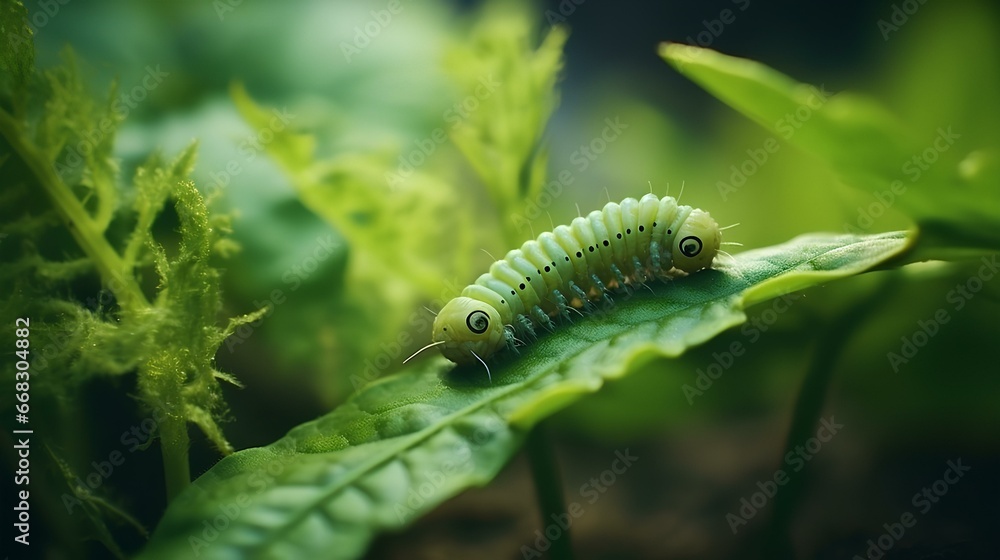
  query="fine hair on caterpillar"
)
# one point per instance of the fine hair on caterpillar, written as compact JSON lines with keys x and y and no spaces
{"x":573,"y":268}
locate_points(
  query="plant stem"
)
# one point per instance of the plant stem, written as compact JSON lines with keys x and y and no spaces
{"x":809,"y":405}
{"x":174,"y":445}
{"x":109,"y":264}
{"x":548,"y":489}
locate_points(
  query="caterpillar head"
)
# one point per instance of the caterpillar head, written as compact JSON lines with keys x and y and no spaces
{"x":697,"y":242}
{"x":466,"y":328}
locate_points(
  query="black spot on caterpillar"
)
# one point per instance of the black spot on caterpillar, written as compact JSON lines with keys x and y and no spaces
{"x":621,"y":245}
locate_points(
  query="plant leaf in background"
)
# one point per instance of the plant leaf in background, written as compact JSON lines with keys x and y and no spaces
{"x":394,"y":234}
{"x":412,"y":236}
{"x":929,"y":90}
{"x":404,"y":444}
{"x":499,"y":125}
{"x":945,"y":188}
{"x":396,"y":231}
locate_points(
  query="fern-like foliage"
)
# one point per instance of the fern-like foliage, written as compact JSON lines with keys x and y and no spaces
{"x":104,"y":295}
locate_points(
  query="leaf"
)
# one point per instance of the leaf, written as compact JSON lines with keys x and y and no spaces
{"x":395,"y":233}
{"x":399,"y":228}
{"x":948,"y":187}
{"x":508,"y":95}
{"x":930,"y":80}
{"x":851,"y":131}
{"x":406,"y":443}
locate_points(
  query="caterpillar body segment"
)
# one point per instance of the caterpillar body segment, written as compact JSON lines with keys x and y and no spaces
{"x":610,"y":249}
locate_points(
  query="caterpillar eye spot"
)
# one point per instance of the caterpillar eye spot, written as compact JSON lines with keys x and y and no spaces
{"x":521,"y":286}
{"x":547,"y":269}
{"x":579,"y":254}
{"x":690,"y":246}
{"x":591,"y":248}
{"x":606,"y":243}
{"x":628,"y":231}
{"x":478,"y":322}
{"x":642,"y":228}
{"x":619,"y":236}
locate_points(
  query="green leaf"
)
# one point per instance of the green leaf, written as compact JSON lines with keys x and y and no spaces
{"x":395,"y":233}
{"x":399,"y":229}
{"x":930,"y":80}
{"x":508,"y":94}
{"x":406,"y":443}
{"x":947,"y":186}
{"x":852,"y":132}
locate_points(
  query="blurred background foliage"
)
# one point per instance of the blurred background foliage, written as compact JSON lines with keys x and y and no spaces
{"x":346,"y":245}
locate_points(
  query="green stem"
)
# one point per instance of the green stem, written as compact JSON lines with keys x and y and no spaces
{"x":548,"y":489}
{"x":174,"y":445}
{"x":812,"y":395}
{"x":91,"y":239}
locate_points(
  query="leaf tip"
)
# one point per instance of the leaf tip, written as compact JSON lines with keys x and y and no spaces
{"x":678,"y":54}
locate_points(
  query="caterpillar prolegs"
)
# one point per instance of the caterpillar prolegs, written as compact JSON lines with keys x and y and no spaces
{"x":621,"y":245}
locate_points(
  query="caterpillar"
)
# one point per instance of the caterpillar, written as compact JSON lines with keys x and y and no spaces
{"x":620,"y":245}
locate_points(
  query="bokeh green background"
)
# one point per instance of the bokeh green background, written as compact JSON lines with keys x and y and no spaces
{"x":940,"y":68}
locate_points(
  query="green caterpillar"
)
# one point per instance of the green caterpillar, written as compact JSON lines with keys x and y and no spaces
{"x":620,"y":245}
